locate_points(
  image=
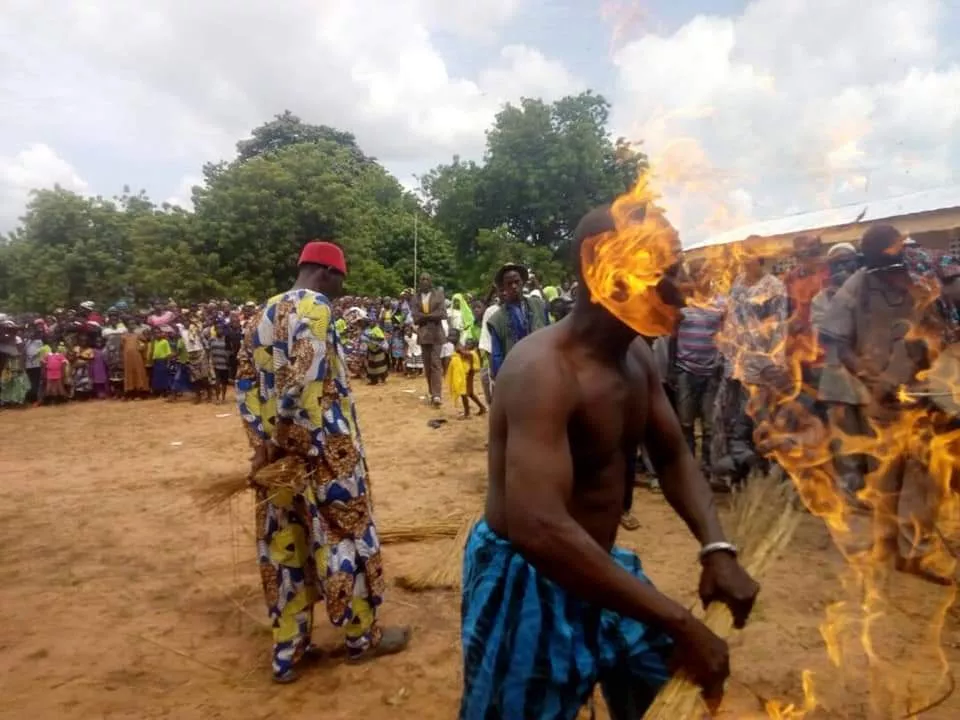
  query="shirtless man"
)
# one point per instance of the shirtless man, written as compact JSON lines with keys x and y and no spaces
{"x":550,"y":606}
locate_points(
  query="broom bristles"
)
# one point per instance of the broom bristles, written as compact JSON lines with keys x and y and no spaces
{"x":436,"y":529}
{"x":764,"y":518}
{"x":443,"y":569}
{"x":220,"y":491}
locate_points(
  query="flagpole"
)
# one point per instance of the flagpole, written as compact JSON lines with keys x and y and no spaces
{"x":416,"y":215}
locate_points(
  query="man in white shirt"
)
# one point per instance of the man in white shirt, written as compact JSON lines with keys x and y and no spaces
{"x":485,"y":345}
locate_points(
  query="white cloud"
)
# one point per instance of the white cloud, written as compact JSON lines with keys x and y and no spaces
{"x":526,"y":72}
{"x":183,"y":195}
{"x":795,"y":105}
{"x":36,"y":167}
{"x":179,"y":82}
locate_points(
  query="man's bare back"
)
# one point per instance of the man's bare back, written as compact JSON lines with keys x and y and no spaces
{"x":604,"y":409}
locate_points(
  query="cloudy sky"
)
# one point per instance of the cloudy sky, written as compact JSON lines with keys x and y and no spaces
{"x":754,"y":109}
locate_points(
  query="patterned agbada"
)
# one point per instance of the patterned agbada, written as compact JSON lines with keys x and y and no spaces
{"x":316,"y":538}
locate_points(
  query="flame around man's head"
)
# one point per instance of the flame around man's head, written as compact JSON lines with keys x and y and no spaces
{"x":626,"y":253}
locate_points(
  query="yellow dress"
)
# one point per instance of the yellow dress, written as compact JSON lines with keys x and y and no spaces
{"x":458,"y":370}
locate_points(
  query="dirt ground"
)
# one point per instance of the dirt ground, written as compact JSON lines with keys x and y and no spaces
{"x":121,"y":598}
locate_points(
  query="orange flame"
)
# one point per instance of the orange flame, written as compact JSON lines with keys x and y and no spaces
{"x":623,"y":270}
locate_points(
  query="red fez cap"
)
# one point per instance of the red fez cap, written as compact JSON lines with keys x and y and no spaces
{"x":319,"y":252}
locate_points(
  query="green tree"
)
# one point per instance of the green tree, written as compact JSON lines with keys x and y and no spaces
{"x":256,"y":216}
{"x":454,"y":196}
{"x":499,"y":246}
{"x":287,"y":129}
{"x":547,"y":165}
{"x":68,"y":249}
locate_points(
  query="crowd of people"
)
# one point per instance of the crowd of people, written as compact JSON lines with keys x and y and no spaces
{"x":85,"y":354}
{"x":171,"y":351}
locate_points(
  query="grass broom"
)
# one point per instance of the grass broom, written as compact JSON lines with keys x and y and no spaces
{"x":221,"y":490}
{"x":444,"y":570}
{"x":764,"y":518}
{"x":447,"y":527}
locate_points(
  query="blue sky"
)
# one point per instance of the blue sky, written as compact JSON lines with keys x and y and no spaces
{"x":758,"y":108}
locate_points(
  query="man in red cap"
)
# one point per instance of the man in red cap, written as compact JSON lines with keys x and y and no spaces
{"x":316,"y":538}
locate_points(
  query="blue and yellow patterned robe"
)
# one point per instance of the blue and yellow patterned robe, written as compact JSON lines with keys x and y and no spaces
{"x":317,"y":542}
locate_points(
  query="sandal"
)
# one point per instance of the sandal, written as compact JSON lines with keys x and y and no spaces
{"x":393,"y":640}
{"x":290,"y":676}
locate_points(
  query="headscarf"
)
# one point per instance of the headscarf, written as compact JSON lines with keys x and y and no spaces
{"x":550,"y":293}
{"x":466,"y":314}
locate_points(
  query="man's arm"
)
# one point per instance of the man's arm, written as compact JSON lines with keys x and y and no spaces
{"x":440,"y":310}
{"x":683,"y":485}
{"x":722,"y":579}
{"x":299,"y":384}
{"x":247,"y":391}
{"x":535,"y":394}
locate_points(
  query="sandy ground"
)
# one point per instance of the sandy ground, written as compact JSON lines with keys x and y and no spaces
{"x":121,"y":598}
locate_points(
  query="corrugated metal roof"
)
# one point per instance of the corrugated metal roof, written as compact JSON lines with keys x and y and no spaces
{"x":943,"y":198}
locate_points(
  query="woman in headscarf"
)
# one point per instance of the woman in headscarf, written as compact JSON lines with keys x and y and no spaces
{"x":133,"y":347}
{"x":468,"y":323}
{"x":550,"y":293}
{"x":354,"y":349}
{"x":375,"y":345}
{"x":14,"y":383}
{"x":197,"y":367}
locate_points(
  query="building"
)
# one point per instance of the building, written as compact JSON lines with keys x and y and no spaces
{"x":931,"y":217}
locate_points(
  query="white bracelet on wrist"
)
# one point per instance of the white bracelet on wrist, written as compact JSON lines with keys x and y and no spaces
{"x":713,"y":547}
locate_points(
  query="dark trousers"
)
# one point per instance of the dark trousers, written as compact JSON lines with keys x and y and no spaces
{"x":696,"y":395}
{"x":34,"y":375}
{"x":433,"y":369}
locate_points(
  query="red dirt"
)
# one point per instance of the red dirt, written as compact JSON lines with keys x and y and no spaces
{"x":121,"y":598}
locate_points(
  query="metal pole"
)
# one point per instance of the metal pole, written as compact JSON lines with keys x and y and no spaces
{"x":415,"y":218}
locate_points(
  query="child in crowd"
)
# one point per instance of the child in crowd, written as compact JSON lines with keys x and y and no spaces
{"x":461,"y":373}
{"x":55,"y":369}
{"x":377,"y":360}
{"x":449,"y":348}
{"x":398,"y":341}
{"x":220,"y":359}
{"x":414,"y":357}
{"x":82,"y":368}
{"x":99,"y":373}
{"x":160,"y":354}
{"x":179,"y":366}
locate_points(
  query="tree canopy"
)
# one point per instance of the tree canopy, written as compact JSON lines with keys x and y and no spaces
{"x":545,"y":165}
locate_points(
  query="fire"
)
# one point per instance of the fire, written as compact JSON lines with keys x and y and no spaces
{"x":778,"y":711}
{"x":623,"y":270}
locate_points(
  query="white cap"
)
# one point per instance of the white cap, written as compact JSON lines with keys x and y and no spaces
{"x":841,"y":248}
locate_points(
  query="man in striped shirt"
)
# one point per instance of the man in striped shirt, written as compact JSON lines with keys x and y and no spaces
{"x":698,"y":364}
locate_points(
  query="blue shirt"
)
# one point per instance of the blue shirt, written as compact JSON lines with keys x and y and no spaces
{"x":518,"y":323}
